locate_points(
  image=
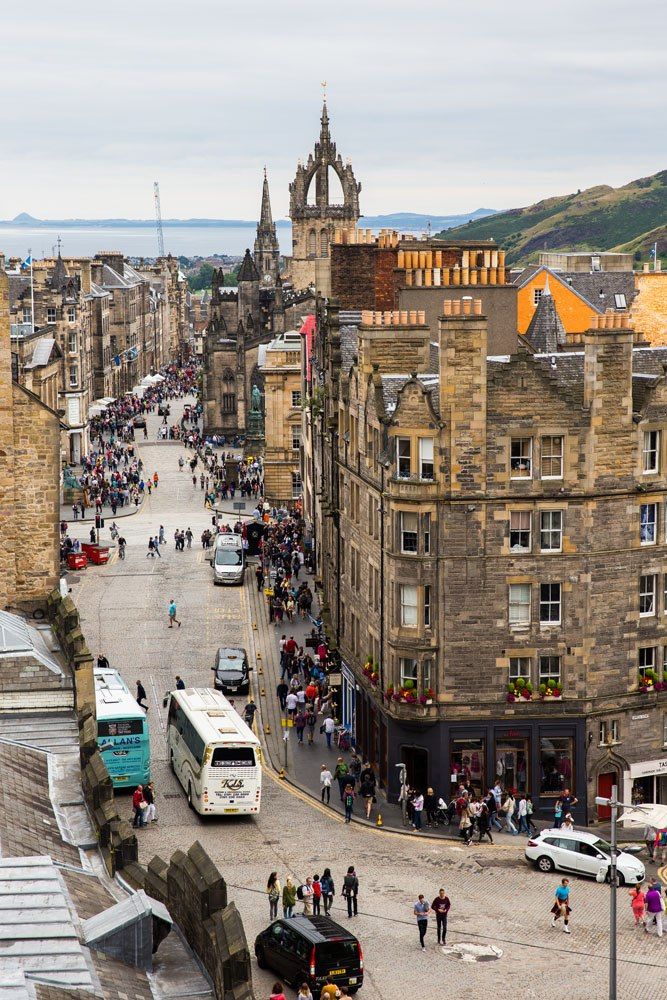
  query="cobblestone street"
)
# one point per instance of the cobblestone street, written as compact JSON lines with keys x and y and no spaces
{"x":496,"y":898}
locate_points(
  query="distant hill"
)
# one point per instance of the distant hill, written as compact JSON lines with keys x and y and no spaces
{"x":412,"y":220}
{"x":398,"y":220}
{"x":599,"y":218}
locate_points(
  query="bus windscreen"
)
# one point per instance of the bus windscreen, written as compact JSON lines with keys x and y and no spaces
{"x":120,"y":727}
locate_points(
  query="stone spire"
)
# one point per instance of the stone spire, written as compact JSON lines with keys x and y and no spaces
{"x":59,"y":277}
{"x":265,"y":218}
{"x":325,"y":135}
{"x":266,"y":251}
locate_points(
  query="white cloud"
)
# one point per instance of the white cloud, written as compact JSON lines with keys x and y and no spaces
{"x":441,"y":106}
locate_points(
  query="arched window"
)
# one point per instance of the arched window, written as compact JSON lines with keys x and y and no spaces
{"x":312,"y":243}
{"x":324,"y":243}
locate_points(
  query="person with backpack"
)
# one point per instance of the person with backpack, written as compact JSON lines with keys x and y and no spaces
{"x":342,"y":776}
{"x":305,"y":895}
{"x":351,"y":890}
{"x":328,"y":890}
{"x":273,"y":892}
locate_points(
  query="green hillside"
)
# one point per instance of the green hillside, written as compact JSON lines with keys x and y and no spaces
{"x":600,"y":218}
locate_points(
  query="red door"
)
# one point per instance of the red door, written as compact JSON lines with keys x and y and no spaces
{"x":605,"y":782}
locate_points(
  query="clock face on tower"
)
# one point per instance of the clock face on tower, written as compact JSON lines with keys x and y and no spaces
{"x":267,"y":279}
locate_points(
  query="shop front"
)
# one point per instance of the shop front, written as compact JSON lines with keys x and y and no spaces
{"x":536,"y":757}
{"x":348,"y":700}
{"x":646,"y":781}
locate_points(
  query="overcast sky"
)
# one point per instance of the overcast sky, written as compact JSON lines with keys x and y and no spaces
{"x":441,"y":106}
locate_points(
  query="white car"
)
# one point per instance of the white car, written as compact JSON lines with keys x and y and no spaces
{"x":582,"y":853}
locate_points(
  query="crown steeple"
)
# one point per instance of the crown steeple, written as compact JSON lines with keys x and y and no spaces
{"x":265,"y":217}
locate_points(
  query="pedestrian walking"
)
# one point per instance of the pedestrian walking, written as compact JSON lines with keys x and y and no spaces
{"x":282,"y":691}
{"x":277,"y":992}
{"x":162,"y":540}
{"x":508,"y":810}
{"x":655,"y":907}
{"x":156,"y":547}
{"x":180,"y":683}
{"x":102,"y":662}
{"x":311,"y":719}
{"x":172,"y":614}
{"x":484,"y":822}
{"x":273,"y":891}
{"x":441,"y":906}
{"x":530,"y":809}
{"x":304,"y":992}
{"x":326,"y":778}
{"x":138,"y":806}
{"x":259,"y":577}
{"x":141,"y":696}
{"x":150,"y":813}
{"x":367,"y":792}
{"x":300,"y":725}
{"x":317,"y":895}
{"x":121,"y":547}
{"x":649,"y":840}
{"x":328,"y":890}
{"x":421,"y":911}
{"x":638,"y":904}
{"x":329,"y":726}
{"x":329,"y":991}
{"x":188,"y":537}
{"x":249,"y":713}
{"x":341,"y":774}
{"x":561,"y":907}
{"x":348,"y":802}
{"x":289,"y":898}
{"x":351,"y":890}
{"x":151,"y":549}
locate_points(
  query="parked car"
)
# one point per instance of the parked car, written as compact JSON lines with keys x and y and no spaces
{"x":139,"y":421}
{"x":232,"y":670}
{"x":308,"y":950}
{"x":582,"y":853}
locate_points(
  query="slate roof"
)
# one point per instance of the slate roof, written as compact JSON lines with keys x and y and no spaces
{"x":349,"y":346}
{"x":609,"y":283}
{"x":546,"y":331}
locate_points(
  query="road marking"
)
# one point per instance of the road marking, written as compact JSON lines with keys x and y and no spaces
{"x":662,"y":874}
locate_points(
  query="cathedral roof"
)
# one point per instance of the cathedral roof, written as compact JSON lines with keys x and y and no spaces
{"x":248,"y":271}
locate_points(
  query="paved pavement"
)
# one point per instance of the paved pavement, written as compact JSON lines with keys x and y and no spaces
{"x":496,"y":898}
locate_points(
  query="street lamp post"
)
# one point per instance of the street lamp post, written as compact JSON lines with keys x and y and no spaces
{"x":613,"y":804}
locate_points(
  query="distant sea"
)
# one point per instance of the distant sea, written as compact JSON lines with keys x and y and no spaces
{"x":134,"y":241}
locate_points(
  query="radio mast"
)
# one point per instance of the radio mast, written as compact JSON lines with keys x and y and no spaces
{"x":158,"y":219}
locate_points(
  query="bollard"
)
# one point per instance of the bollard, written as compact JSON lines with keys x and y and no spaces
{"x":267,"y":729}
{"x":281,"y":773}
{"x":378,"y":821}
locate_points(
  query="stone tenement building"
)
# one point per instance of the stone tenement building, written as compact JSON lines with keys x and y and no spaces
{"x":99,"y":327}
{"x":492,"y":541}
{"x":314,"y":218}
{"x":280,"y":365}
{"x":29,"y":482}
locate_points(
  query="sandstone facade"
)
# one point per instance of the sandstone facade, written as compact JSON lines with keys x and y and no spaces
{"x":489,"y":522}
{"x":29,"y":483}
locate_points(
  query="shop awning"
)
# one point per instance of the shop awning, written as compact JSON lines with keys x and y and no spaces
{"x":651,"y":813}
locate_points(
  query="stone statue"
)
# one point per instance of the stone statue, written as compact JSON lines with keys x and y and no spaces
{"x":70,"y":482}
{"x":256,"y":400}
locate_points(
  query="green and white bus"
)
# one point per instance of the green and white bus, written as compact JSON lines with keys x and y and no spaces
{"x":122,"y":731}
{"x":213,"y":753}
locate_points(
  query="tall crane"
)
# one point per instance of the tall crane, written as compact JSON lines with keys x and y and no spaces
{"x":158,"y":219}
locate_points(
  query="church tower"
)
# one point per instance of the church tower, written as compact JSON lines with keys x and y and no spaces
{"x":315,"y":219}
{"x":266,"y":252}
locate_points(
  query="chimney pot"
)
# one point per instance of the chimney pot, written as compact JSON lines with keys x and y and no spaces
{"x":447,"y":307}
{"x":477,"y":307}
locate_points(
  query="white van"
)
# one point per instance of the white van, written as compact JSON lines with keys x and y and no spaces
{"x":228,"y":559}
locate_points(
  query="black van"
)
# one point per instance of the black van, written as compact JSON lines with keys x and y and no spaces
{"x":310,"y":949}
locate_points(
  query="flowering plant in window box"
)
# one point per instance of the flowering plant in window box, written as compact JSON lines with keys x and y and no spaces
{"x":519,"y":690}
{"x":552,"y":689}
{"x":651,"y":680}
{"x":427,"y":697}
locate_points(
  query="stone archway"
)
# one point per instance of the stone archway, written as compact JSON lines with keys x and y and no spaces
{"x":608,"y":771}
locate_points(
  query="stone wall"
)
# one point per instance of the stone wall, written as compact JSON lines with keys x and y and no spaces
{"x":29,"y":484}
{"x":195,"y":893}
{"x":649,"y":307}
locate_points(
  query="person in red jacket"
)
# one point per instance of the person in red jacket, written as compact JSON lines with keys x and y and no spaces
{"x":138,"y":804}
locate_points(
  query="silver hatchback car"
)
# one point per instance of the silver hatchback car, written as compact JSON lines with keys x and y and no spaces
{"x":583,"y":854}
